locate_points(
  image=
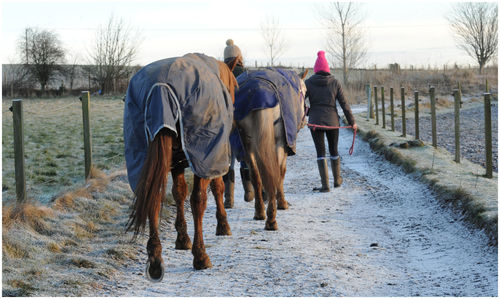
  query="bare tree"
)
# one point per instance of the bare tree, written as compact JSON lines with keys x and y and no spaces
{"x":476,"y":29}
{"x":273,"y":38}
{"x":42,"y":54}
{"x":345,"y":41}
{"x":115,"y":48}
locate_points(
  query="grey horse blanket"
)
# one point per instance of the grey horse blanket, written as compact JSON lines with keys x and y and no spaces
{"x":186,"y":91}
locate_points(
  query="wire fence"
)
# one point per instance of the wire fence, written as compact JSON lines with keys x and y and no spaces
{"x":53,"y":143}
{"x":473,"y":126}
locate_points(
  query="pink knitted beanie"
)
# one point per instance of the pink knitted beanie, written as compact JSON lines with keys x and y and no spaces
{"x":321,"y":63}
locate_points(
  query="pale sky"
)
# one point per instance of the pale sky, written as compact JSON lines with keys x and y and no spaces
{"x":407,"y":32}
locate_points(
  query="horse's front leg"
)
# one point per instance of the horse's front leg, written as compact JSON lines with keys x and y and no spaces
{"x":198,"y":205}
{"x":155,"y":268}
{"x":217,"y":187}
{"x":179,"y":191}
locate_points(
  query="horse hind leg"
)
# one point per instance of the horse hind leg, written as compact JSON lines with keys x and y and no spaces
{"x":147,"y":204}
{"x":280,"y":140}
{"x":179,"y":192}
{"x":280,"y":195}
{"x":198,"y":205}
{"x":155,"y":267}
{"x":217,"y":187}
{"x":282,"y":203}
{"x":260,"y":213}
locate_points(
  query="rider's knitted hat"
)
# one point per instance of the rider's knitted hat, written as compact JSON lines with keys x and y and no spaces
{"x":321,"y":63}
{"x":231,"y":50}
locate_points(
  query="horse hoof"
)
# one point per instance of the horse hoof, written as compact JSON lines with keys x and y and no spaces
{"x":249,"y":196}
{"x":271,"y":225}
{"x":283,"y":205}
{"x":154,"y":273}
{"x":182,"y":244}
{"x":223,"y":230}
{"x":259,"y":216}
{"x":203,"y":263}
{"x":228,"y":204}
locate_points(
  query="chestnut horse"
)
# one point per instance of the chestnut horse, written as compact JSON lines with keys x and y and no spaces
{"x":183,"y":100}
{"x":265,"y":136}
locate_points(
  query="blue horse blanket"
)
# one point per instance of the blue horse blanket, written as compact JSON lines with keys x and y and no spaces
{"x":185,"y":91}
{"x":266,"y":88}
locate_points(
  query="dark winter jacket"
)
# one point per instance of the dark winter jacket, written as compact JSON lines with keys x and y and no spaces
{"x":324,"y":91}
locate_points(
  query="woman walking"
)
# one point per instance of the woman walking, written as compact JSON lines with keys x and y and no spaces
{"x":324,"y":92}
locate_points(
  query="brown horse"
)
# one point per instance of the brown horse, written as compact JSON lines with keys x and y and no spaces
{"x":263,"y":136}
{"x":170,"y":150}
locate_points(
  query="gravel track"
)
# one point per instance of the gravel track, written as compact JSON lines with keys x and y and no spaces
{"x":383,"y":233}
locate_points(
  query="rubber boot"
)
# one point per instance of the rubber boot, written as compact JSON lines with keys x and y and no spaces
{"x":337,"y":178}
{"x":229,"y":189}
{"x":323,"y":172}
{"x":247,"y":184}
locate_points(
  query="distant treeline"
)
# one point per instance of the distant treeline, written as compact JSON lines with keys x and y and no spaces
{"x":69,"y":80}
{"x":72,"y":79}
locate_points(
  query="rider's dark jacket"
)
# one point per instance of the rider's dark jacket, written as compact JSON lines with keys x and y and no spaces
{"x":324,"y":92}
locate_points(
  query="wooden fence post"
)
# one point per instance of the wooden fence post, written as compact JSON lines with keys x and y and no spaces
{"x":457,"y":96}
{"x":376,"y":104}
{"x":460,"y":91}
{"x":417,"y":132}
{"x":383,"y":106}
{"x":369,"y":111}
{"x":433,"y":117}
{"x":487,"y":132}
{"x":87,"y":138}
{"x":403,"y":111}
{"x":392,"y":107}
{"x":17,"y":116}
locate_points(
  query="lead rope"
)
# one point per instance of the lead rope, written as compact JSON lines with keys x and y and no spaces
{"x":351,"y":150}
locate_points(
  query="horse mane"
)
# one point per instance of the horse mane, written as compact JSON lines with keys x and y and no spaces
{"x":303,"y":74}
{"x":152,"y":181}
{"x":227,"y":77}
{"x":232,"y":64}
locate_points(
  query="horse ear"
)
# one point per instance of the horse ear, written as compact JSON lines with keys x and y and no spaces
{"x":303,"y":75}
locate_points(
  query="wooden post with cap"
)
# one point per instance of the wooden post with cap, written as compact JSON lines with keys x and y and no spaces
{"x":417,"y":131}
{"x":376,"y":104}
{"x":433,"y":116}
{"x":87,"y":138}
{"x":487,"y":132}
{"x":403,"y":111}
{"x":458,"y":98}
{"x":17,"y":117}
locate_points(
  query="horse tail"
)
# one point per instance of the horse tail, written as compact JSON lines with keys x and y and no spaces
{"x":152,"y":181}
{"x":263,"y":147}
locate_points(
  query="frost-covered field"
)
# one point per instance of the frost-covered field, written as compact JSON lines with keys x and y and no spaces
{"x":53,"y":137}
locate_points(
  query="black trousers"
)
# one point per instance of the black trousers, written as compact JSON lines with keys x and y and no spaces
{"x":319,"y":142}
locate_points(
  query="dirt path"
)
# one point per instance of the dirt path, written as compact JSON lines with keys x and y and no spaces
{"x":381,"y":234}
